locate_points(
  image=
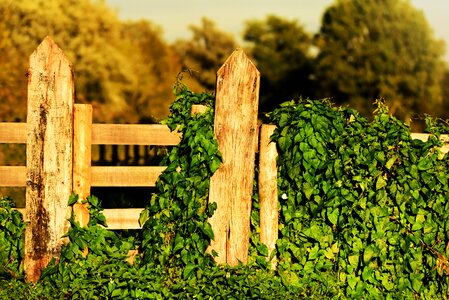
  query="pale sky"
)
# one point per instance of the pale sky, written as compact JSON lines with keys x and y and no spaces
{"x":174,"y":16}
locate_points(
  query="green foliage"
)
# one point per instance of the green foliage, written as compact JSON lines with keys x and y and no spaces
{"x":11,"y":240}
{"x":363,"y":205}
{"x":385,"y":48}
{"x":363,"y":214}
{"x":175,"y":228}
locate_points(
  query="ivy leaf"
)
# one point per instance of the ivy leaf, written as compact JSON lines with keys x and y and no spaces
{"x":424,"y":164}
{"x":332,"y":215}
{"x":73,"y":199}
{"x":179,"y":243}
{"x":307,"y":190}
{"x":144,"y":215}
{"x":381,"y":182}
{"x":390,"y":162}
{"x":215,"y":164}
{"x":189,"y":268}
{"x":419,"y":222}
{"x":368,"y":254}
{"x":262,"y":249}
{"x":206,"y":228}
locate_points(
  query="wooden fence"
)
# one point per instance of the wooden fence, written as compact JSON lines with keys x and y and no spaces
{"x":59,"y":136}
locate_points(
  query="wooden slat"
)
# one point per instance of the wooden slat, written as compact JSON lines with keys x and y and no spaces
{"x":82,"y":151}
{"x":13,"y":175}
{"x":107,"y":134}
{"x":425,"y":136}
{"x":117,"y":218}
{"x":134,"y":134}
{"x":268,"y":192}
{"x":420,"y":136}
{"x":14,"y":133}
{"x":101,"y":176}
{"x":125,"y":176}
{"x":122,"y":218}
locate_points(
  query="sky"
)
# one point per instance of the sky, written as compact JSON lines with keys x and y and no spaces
{"x":175,"y":16}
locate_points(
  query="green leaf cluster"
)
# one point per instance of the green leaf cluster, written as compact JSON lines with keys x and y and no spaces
{"x":12,"y":230}
{"x":363,"y":210}
{"x":175,"y":227}
{"x":362,"y":215}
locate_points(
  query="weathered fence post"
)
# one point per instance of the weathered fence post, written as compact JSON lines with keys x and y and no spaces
{"x":82,"y":159}
{"x":231,"y":187}
{"x":268,"y":196}
{"x":49,"y":155}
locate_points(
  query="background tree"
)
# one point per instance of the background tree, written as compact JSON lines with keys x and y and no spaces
{"x":382,"y":48}
{"x":282,"y":51}
{"x":110,"y":62}
{"x":155,"y":65}
{"x":125,"y":70}
{"x":204,"y":54}
{"x":445,"y":94}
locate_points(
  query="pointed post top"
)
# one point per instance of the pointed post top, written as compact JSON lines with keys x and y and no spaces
{"x":48,"y":48}
{"x":238,"y":57}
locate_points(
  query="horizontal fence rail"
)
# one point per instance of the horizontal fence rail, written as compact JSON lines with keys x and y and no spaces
{"x":104,"y":134}
{"x":117,"y":218}
{"x":15,"y":176}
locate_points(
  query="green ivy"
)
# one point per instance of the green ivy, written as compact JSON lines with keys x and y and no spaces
{"x":175,"y":231}
{"x":363,"y":214}
{"x":12,"y":230}
{"x":363,"y":205}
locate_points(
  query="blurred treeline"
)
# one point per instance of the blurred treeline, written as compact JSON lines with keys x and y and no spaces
{"x":364,"y":50}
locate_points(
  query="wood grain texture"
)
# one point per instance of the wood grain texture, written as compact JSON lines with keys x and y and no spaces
{"x":125,"y":176}
{"x":123,"y":218}
{"x":268,"y":192}
{"x":13,"y":133}
{"x":82,"y":152}
{"x":13,"y":175}
{"x":49,"y":155}
{"x":117,"y":218}
{"x":235,"y":128}
{"x":134,"y":134}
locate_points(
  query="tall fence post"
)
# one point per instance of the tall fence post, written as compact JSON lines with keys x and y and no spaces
{"x":49,"y":155}
{"x":268,"y":196}
{"x":231,"y":187}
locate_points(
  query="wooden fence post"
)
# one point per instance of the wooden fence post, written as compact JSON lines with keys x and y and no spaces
{"x":82,"y":159}
{"x":49,"y":155}
{"x":268,"y":196}
{"x":231,"y":187}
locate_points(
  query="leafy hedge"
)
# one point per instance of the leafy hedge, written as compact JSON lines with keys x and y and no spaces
{"x":362,"y":215}
{"x":364,"y":207}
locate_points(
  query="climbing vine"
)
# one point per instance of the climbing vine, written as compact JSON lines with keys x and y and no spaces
{"x":363,"y":214}
{"x":363,"y":205}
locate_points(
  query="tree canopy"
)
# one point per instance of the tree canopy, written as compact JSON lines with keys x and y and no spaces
{"x":282,"y":51}
{"x":205,"y":52}
{"x":382,"y":48}
{"x":114,"y":66}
